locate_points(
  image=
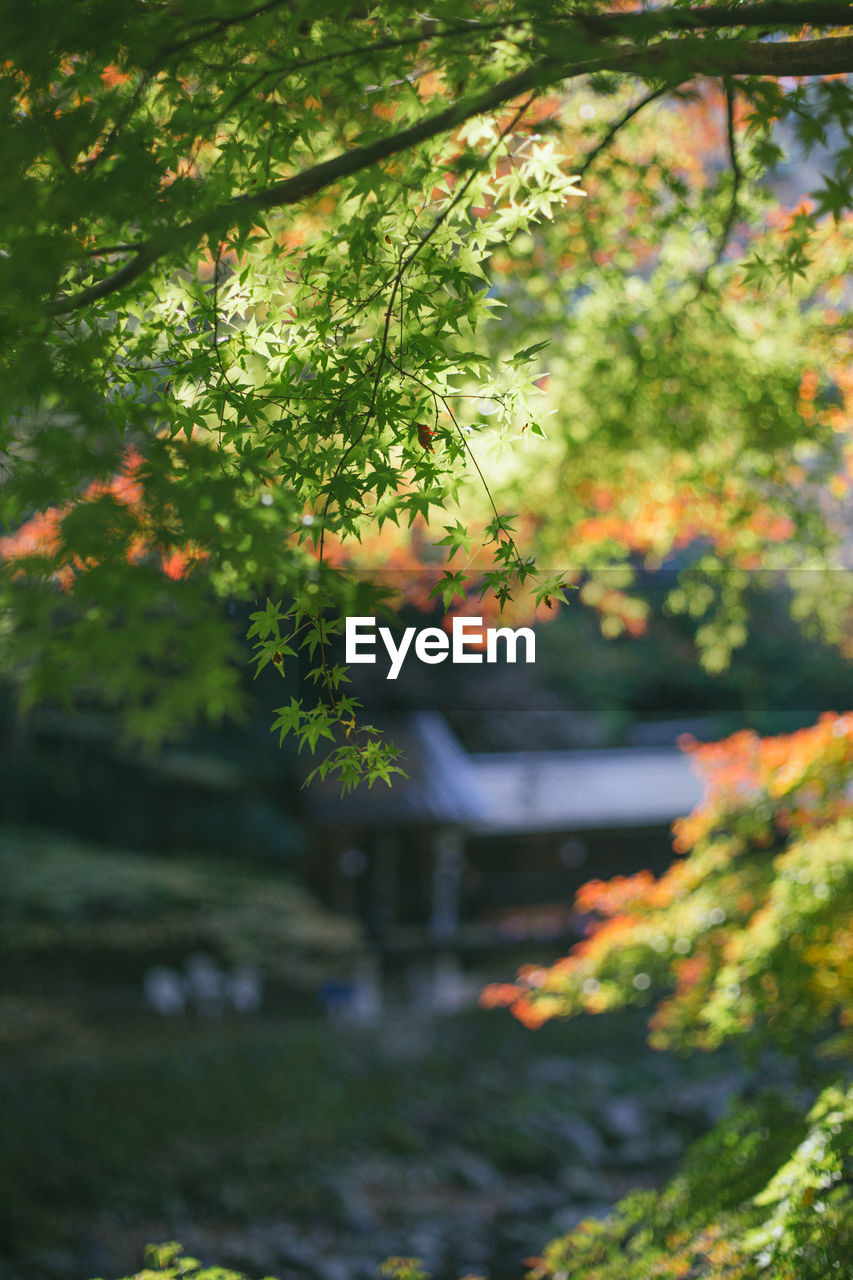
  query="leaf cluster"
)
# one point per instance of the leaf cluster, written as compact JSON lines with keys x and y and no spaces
{"x":278,"y":280}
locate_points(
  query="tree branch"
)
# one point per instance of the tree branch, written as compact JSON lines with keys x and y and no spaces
{"x":736,"y":172}
{"x":307,"y":183}
{"x":619,"y":124}
{"x":678,"y":60}
{"x":772,"y":14}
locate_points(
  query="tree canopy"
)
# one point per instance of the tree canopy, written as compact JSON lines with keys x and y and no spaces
{"x":296,"y":288}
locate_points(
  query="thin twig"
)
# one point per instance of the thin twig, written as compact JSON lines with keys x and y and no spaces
{"x":217,"y":353}
{"x":405,"y":263}
{"x":103,"y":251}
{"x":737,"y":175}
{"x":443,"y":397}
{"x":620,"y":124}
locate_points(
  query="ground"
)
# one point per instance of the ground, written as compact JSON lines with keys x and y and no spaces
{"x":295,"y":1147}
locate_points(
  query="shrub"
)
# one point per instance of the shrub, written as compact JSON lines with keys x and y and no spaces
{"x":749,"y":937}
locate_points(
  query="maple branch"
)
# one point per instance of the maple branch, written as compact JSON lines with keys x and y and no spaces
{"x":769,"y":13}
{"x":108,"y":250}
{"x":308,"y":182}
{"x":678,"y":59}
{"x":736,"y":172}
{"x":637,"y":25}
{"x":619,"y":124}
{"x":737,"y":179}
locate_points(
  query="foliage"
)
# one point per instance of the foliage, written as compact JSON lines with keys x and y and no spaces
{"x":766,"y":1194}
{"x":281,"y":281}
{"x":778,"y":681}
{"x":744,"y":1207}
{"x":269,"y":1127}
{"x":402,"y":1269}
{"x":169,"y":1262}
{"x":750,"y":929}
{"x":748,"y":935}
{"x":105,"y":915}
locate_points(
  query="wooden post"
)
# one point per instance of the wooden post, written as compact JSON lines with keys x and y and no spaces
{"x":383,"y":887}
{"x":448,"y":861}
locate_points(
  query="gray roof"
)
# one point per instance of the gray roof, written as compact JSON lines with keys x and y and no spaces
{"x":513,"y":792}
{"x":583,"y":790}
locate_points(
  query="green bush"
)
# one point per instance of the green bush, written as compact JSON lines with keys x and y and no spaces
{"x":77,"y":920}
{"x":766,"y":1195}
{"x":169,"y":1262}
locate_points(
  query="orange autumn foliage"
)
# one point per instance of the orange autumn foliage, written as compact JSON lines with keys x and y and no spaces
{"x":42,"y":535}
{"x":751,"y":927}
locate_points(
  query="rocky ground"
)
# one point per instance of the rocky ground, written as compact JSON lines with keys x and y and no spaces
{"x":466,"y":1142}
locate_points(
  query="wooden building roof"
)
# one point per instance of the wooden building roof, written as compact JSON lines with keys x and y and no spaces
{"x":513,"y":792}
{"x":583,"y":790}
